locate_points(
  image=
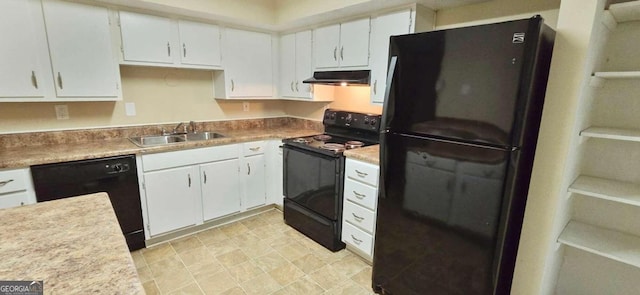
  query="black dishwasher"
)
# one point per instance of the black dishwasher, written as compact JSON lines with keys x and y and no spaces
{"x":115,"y":175}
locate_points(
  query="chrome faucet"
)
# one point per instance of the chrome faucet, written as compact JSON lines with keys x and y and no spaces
{"x":192,"y":126}
{"x":175,"y":129}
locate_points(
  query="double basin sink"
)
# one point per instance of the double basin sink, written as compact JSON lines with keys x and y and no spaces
{"x":154,"y":140}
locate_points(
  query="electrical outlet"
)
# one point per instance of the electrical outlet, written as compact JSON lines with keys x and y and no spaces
{"x":62,"y":112}
{"x":245,"y":106}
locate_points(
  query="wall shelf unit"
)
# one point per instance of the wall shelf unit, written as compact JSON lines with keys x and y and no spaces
{"x":603,"y":186}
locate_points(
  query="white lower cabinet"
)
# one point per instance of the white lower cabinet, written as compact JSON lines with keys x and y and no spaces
{"x":359,"y":207}
{"x":171,"y":198}
{"x":220,"y":188}
{"x":187,"y":187}
{"x":16,"y":188}
{"x":253,"y":174}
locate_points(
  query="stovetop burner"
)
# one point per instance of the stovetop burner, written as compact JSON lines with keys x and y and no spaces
{"x":322,"y":137}
{"x":336,"y":147}
{"x":301,"y":140}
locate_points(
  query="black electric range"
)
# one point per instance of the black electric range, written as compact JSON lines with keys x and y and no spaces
{"x":314,"y":174}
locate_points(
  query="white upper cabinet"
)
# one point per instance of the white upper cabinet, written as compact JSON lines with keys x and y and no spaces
{"x":56,"y":51}
{"x":200,"y":43}
{"x":416,"y":19}
{"x":24,"y":60}
{"x":158,"y":41}
{"x":343,"y":45}
{"x":147,"y":38}
{"x":383,"y":27}
{"x":80,"y":49}
{"x":296,"y":65}
{"x":248,"y":69}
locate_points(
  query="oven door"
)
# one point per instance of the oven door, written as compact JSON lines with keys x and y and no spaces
{"x":314,"y":181}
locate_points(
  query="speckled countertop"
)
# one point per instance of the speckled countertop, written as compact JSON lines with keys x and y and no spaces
{"x":369,"y":154}
{"x":74,"y":245}
{"x":15,"y":157}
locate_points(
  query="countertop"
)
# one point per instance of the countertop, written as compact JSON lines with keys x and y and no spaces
{"x":74,"y":245}
{"x":369,"y":154}
{"x":18,"y":157}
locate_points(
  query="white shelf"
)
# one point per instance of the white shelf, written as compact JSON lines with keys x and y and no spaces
{"x":618,"y":75}
{"x":614,"y":245}
{"x":612,"y":190}
{"x":624,"y":12}
{"x":612,"y":133}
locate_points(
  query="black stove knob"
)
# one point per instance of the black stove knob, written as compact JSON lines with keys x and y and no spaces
{"x":349,"y":118}
{"x":366,"y":120}
{"x":333,"y":116}
{"x":373,"y":121}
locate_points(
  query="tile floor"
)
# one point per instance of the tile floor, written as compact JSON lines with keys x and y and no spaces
{"x":258,"y":255}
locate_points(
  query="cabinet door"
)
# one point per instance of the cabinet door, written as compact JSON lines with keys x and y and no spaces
{"x":287,"y":65}
{"x":81,"y":51}
{"x":199,"y":43}
{"x":383,"y":27}
{"x":23,"y":54}
{"x":248,"y":64}
{"x":354,"y":43}
{"x":220,"y":188}
{"x":171,"y":198}
{"x":254,"y":184}
{"x":304,"y":64}
{"x":325,"y":46}
{"x":147,"y":38}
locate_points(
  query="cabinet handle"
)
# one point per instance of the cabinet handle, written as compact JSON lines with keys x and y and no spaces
{"x":3,"y":183}
{"x":205,"y":176}
{"x":358,"y":218}
{"x":184,"y":50}
{"x":335,"y":52}
{"x":60,"y":81}
{"x":356,"y":240}
{"x":255,"y":149}
{"x":34,"y":79}
{"x":168,"y":49}
{"x":232,"y":85}
{"x":375,"y":85}
{"x":291,"y":86}
{"x":358,"y":195}
{"x":361,"y":174}
{"x":342,"y":53}
{"x":189,"y":176}
{"x":248,"y":169}
{"x":297,"y":86}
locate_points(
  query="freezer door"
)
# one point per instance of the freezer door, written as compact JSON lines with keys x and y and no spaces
{"x":468,"y":84}
{"x":439,"y":216}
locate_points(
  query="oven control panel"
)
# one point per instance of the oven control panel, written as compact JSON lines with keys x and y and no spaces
{"x":351,"y":120}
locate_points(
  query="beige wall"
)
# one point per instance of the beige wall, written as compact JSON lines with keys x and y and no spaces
{"x":492,"y":9}
{"x":292,"y":10}
{"x":160,"y":95}
{"x":351,"y":98}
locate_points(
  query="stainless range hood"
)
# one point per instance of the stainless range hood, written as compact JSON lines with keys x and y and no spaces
{"x":340,"y":78}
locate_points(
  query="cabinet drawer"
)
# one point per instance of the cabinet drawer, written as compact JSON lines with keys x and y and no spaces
{"x":14,"y":200}
{"x":365,"y":172}
{"x":361,"y":194}
{"x":363,"y":218}
{"x":254,"y":148}
{"x":14,"y":180}
{"x":357,"y":238}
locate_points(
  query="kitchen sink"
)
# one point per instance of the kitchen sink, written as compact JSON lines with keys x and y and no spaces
{"x":203,"y":136}
{"x":154,"y":140}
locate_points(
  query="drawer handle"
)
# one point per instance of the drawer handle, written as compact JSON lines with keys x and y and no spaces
{"x":255,"y":149}
{"x":3,"y":183}
{"x":358,"y":195}
{"x":358,"y":218}
{"x":356,"y":240}
{"x":361,"y":174}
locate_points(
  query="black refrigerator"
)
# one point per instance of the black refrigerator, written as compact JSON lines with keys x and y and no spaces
{"x":459,"y":130}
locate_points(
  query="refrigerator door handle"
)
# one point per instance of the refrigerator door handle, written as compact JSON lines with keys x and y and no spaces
{"x":385,"y":107}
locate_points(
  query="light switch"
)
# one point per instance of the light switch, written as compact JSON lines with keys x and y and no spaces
{"x":130,"y":109}
{"x":245,"y":106}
